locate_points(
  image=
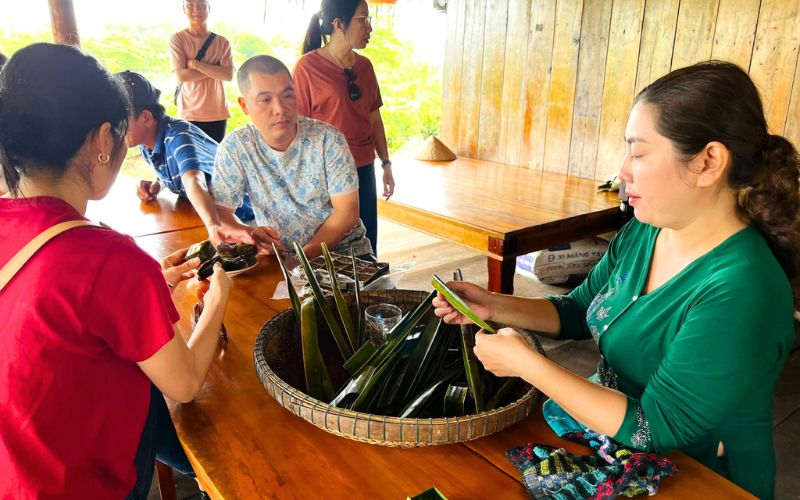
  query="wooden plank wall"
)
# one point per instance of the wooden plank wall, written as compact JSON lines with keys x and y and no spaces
{"x":548,"y":84}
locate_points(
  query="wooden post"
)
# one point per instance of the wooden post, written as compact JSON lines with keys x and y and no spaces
{"x":62,"y":19}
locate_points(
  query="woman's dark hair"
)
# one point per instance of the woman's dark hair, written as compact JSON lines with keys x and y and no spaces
{"x":321,"y":24}
{"x":717,"y":101}
{"x":52,"y":98}
{"x":3,"y":60}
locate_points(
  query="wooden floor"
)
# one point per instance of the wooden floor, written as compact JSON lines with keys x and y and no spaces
{"x":401,"y":246}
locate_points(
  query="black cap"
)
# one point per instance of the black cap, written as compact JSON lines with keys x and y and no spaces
{"x":140,"y":89}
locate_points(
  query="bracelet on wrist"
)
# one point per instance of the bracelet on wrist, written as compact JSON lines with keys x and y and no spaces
{"x":386,"y":162}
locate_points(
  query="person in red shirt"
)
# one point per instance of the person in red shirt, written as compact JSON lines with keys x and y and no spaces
{"x":337,"y":86}
{"x":88,"y":320}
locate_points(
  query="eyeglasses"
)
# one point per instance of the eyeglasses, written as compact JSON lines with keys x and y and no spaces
{"x":352,"y":87}
{"x":195,"y":5}
{"x":367,"y":19}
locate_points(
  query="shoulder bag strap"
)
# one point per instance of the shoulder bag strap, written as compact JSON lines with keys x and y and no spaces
{"x":202,"y":53}
{"x":15,"y":264}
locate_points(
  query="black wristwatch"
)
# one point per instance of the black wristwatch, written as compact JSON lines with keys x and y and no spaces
{"x":386,"y":162}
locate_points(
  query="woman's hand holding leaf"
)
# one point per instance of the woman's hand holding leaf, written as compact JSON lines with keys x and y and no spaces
{"x":477,"y":298}
{"x":503,"y":353}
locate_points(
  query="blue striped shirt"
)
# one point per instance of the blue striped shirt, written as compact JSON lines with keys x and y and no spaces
{"x":182,"y":147}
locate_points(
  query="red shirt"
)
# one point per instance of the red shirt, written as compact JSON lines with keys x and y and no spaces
{"x":76,"y":319}
{"x":322,"y":93}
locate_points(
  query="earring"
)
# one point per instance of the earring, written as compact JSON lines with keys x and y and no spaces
{"x":103,"y":158}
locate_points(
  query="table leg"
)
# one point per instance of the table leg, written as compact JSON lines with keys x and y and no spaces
{"x":501,"y":274}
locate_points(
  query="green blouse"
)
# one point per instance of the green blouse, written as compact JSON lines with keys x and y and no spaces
{"x":698,"y":357}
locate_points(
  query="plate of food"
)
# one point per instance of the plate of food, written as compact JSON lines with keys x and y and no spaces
{"x":236,"y":258}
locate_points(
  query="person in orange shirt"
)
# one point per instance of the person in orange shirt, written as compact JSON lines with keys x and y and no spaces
{"x":201,"y":96}
{"x":337,"y":86}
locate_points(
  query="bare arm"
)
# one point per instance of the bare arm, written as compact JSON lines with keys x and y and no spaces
{"x":194,"y":181}
{"x":336,"y":226}
{"x":215,"y":71}
{"x":189,"y":75}
{"x":507,"y":354}
{"x":536,"y":314}
{"x":379,"y":135}
{"x":179,"y":368}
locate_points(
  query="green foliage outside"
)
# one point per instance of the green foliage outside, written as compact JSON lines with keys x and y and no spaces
{"x":411,"y":89}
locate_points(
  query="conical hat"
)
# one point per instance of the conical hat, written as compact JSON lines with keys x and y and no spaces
{"x":434,"y":150}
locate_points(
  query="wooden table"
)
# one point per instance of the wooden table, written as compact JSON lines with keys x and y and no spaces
{"x":498,"y":210}
{"x":122,"y":210}
{"x":242,"y":444}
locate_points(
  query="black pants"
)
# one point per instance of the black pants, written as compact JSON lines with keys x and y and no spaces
{"x":215,"y":130}
{"x":159,"y":441}
{"x":368,"y":203}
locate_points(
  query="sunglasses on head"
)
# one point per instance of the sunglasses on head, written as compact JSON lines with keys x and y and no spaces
{"x":352,"y":87}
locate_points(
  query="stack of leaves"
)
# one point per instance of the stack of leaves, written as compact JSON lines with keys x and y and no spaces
{"x":424,"y":368}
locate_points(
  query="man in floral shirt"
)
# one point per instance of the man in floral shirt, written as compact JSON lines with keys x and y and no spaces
{"x":298,"y":172}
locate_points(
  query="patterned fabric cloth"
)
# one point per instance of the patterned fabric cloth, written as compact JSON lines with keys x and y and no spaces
{"x":290,"y":190}
{"x":616,"y":470}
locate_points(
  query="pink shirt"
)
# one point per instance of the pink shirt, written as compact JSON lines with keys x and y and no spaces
{"x":322,"y":94}
{"x":201,"y":100}
{"x":76,"y":319}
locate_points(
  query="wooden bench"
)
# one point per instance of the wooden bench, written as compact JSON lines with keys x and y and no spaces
{"x":501,"y":211}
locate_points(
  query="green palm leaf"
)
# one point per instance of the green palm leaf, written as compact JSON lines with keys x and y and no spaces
{"x":459,"y":303}
{"x":324,"y":305}
{"x":292,"y":292}
{"x":318,"y":382}
{"x":341,"y":303}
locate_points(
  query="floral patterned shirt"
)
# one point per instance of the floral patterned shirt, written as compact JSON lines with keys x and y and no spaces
{"x":290,"y":190}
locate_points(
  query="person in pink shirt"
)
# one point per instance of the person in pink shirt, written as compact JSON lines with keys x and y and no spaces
{"x":201,"y":96}
{"x":336,"y":85}
{"x":88,"y":339}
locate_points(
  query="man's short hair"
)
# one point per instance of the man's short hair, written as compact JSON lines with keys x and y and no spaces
{"x":265,"y":65}
{"x":157,"y":110}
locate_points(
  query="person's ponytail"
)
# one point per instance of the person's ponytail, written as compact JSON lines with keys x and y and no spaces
{"x":772,"y":202}
{"x":313,"y":39}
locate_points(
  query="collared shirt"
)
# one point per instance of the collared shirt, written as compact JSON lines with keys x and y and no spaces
{"x":182,"y":147}
{"x":291,"y":190}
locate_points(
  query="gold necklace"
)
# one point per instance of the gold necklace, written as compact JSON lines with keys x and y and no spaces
{"x":330,"y":51}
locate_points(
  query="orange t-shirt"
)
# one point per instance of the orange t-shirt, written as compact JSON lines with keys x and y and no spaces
{"x":322,"y":94}
{"x":202,"y":100}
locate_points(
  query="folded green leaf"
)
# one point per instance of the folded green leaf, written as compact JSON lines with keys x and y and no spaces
{"x":454,"y":401}
{"x":459,"y":304}
{"x":472,"y":367}
{"x":341,"y":303}
{"x":501,"y":392}
{"x":318,"y":382}
{"x":413,"y":408}
{"x":292,"y":292}
{"x":361,"y":356}
{"x":359,"y":312}
{"x":353,"y":387}
{"x":419,"y":358}
{"x":324,"y":304}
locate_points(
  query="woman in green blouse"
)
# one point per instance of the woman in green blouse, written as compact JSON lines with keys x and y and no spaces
{"x":692,"y":304}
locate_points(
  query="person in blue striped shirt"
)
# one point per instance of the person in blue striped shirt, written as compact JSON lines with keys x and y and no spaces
{"x":181,"y":154}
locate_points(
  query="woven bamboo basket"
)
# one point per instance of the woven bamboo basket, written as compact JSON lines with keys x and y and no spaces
{"x":279,"y":364}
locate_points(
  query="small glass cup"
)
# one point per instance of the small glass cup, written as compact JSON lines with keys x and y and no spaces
{"x":381,"y":318}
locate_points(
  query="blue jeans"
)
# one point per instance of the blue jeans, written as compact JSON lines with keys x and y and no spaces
{"x":368,"y":203}
{"x":159,"y":441}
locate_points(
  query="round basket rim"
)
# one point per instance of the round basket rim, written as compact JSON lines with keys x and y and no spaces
{"x":298,"y":401}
